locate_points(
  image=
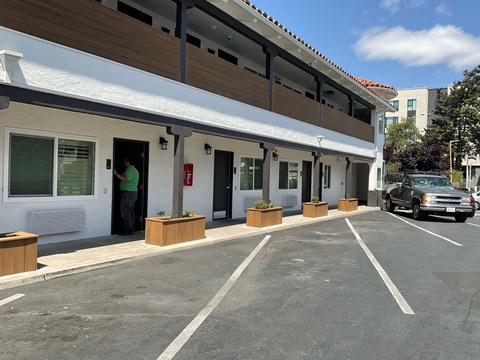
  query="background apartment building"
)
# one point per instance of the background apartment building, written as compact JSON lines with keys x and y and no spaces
{"x":418,"y":104}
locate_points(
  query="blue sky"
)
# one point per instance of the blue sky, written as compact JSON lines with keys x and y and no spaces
{"x":402,"y":43}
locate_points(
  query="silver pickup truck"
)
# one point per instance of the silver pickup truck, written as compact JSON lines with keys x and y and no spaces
{"x":429,"y":194}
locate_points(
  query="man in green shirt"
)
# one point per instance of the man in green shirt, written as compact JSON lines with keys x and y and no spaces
{"x":128,"y":187}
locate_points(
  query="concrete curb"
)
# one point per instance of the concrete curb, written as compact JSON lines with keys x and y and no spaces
{"x":16,"y":280}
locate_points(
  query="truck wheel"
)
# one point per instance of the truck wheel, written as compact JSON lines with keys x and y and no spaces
{"x":417,"y":212}
{"x":389,"y":205}
{"x":461,"y":218}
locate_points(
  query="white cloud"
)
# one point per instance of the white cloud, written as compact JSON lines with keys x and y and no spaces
{"x":443,"y":10}
{"x":417,"y":3}
{"x":395,"y":5}
{"x":439,"y":45}
{"x":391,"y":5}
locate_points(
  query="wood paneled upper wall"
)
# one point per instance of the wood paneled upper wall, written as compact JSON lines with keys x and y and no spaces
{"x":363,"y":131}
{"x":337,"y":121}
{"x":91,"y":27}
{"x":291,"y":104}
{"x":88,"y":26}
{"x":208,"y":72}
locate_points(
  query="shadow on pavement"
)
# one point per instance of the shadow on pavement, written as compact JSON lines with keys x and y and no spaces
{"x":75,"y":245}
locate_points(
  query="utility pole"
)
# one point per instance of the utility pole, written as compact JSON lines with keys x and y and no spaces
{"x":450,"y":149}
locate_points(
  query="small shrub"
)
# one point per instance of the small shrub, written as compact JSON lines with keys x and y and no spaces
{"x":189,"y":213}
{"x":315,"y":199}
{"x":262,"y":204}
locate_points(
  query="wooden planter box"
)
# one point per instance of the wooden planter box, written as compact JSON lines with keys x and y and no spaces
{"x":348,"y":204}
{"x":163,"y":231}
{"x":18,"y":253}
{"x":314,"y":210}
{"x":264,"y":217}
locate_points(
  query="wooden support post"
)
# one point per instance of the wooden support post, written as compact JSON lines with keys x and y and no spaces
{"x":181,"y":33}
{"x":348,"y":179}
{"x":318,"y":97}
{"x":317,"y":178}
{"x":269,"y":75}
{"x":179,"y":133}
{"x":267,"y":162}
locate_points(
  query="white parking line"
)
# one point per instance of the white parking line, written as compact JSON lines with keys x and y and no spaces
{"x":427,"y":231}
{"x":383,"y":274}
{"x":181,"y":339}
{"x":473,"y":224}
{"x":11,"y":298}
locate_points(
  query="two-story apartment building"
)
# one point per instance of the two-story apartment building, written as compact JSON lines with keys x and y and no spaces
{"x":218,"y":104}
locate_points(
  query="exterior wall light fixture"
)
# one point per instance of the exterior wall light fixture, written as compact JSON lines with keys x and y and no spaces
{"x":275,"y":156}
{"x":208,"y":149}
{"x":163,"y":143}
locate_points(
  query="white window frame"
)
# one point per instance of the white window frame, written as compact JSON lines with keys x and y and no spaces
{"x":239,"y":172}
{"x":54,"y":197}
{"x":381,"y":124}
{"x":414,"y":105}
{"x":288,"y":172}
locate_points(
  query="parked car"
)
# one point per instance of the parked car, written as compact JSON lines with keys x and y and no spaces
{"x":476,"y":197}
{"x":429,"y":194}
{"x":467,"y":191}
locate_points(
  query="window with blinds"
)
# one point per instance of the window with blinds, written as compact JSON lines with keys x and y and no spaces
{"x":33,"y":171}
{"x":76,"y":167}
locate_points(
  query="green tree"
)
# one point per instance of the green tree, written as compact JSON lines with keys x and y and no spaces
{"x":402,"y":135}
{"x":458,"y":116}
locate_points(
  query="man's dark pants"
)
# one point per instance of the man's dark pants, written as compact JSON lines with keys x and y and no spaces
{"x":127,"y":211}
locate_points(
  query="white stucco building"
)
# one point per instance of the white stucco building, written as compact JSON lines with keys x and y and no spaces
{"x":215,"y":84}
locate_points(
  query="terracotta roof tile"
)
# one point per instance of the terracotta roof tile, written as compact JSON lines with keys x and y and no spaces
{"x":371,"y":83}
{"x":365,"y":83}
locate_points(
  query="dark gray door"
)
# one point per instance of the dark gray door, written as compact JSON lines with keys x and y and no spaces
{"x":222,"y":185}
{"x":306,"y":181}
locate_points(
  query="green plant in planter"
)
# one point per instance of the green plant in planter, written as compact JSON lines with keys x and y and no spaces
{"x":315,"y":199}
{"x":173,"y":216}
{"x":262,"y":205}
{"x":189,"y":213}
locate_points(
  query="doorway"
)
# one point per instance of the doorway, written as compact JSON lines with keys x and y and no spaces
{"x":363,"y":174}
{"x":306,"y":181}
{"x":138,"y":150}
{"x":222,"y":185}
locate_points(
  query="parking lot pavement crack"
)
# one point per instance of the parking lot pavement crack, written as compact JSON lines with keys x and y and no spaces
{"x":472,"y":299}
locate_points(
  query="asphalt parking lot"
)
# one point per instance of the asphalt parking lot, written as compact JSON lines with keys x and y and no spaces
{"x":411,"y":291}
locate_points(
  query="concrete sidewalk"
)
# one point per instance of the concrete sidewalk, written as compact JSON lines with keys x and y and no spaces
{"x":62,"y":259}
